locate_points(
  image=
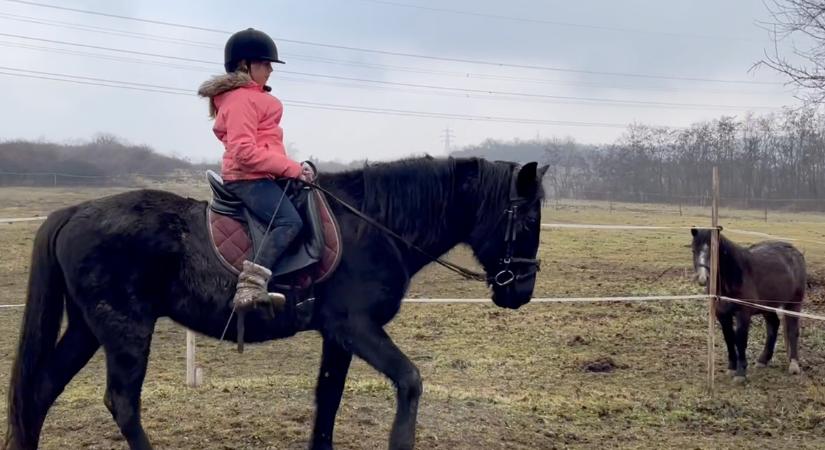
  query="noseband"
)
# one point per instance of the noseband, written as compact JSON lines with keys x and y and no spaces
{"x":530,"y":266}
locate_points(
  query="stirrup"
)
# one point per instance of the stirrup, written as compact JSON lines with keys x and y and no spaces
{"x":273,"y":300}
{"x":277,"y":300}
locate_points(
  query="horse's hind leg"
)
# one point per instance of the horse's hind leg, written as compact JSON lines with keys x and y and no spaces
{"x":127,"y":356}
{"x":335,"y":362}
{"x":73,"y":351}
{"x":792,"y":343}
{"x":771,"y":331}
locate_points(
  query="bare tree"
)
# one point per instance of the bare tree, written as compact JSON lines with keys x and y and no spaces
{"x":805,"y":66}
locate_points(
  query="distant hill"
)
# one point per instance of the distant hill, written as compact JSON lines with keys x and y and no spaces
{"x":517,"y":151}
{"x":538,"y":150}
{"x":105,"y":156}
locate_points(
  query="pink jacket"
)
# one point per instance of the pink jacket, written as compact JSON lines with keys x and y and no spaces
{"x":247,"y":121}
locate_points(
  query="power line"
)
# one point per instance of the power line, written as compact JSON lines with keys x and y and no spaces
{"x":530,"y":95}
{"x":118,"y":16}
{"x":467,"y":116}
{"x":91,"y":83}
{"x":107,"y":31}
{"x":286,"y":78}
{"x":518,"y":79}
{"x":105,"y":57}
{"x":410,"y":55}
{"x":109,"y":49}
{"x":327,"y":60}
{"x":101,"y":80}
{"x":51,"y":76}
{"x":586,"y":100}
{"x":552,"y":22}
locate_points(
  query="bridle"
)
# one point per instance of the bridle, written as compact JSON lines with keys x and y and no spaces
{"x":504,"y":277}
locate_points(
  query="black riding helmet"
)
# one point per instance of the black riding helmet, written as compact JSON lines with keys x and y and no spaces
{"x":251,"y":45}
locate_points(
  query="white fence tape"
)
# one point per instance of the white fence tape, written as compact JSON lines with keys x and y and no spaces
{"x":660,"y":298}
{"x":22,"y":219}
{"x":771,"y":236}
{"x":587,"y":226}
{"x":548,"y":226}
{"x":564,"y":299}
{"x":771,"y":308}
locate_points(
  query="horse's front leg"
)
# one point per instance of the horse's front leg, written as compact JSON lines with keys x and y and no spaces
{"x":743,"y":324}
{"x":335,"y":362}
{"x":726,"y":322}
{"x":371,"y":343}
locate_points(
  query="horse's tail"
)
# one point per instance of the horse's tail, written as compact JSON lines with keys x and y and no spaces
{"x":38,"y":334}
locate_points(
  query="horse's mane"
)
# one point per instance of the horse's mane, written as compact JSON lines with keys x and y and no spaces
{"x":414,"y":196}
{"x":732,"y":263}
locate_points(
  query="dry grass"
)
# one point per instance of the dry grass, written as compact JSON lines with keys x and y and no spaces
{"x":494,"y":379}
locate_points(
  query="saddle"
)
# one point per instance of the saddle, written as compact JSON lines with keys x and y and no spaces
{"x":237,"y":234}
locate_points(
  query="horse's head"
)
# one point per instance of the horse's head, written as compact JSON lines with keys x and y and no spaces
{"x":506,"y":242}
{"x":701,"y":255}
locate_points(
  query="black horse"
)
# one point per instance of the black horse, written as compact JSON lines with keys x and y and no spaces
{"x":770,"y":273}
{"x":116,"y":264}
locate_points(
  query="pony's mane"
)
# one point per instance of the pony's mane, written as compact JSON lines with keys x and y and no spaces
{"x":732,"y":258}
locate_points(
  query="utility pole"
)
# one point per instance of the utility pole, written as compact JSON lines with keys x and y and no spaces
{"x":447,"y":137}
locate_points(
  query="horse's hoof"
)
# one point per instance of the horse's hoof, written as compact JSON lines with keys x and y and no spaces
{"x":793,"y":368}
{"x":731,"y":372}
{"x":739,"y":379}
{"x":761,"y":365}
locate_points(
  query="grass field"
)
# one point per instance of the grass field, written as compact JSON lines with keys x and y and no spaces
{"x":546,"y":376}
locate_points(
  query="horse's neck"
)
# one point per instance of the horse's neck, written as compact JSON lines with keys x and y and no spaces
{"x":734,"y":261}
{"x":452,"y":226}
{"x":434,"y":214}
{"x":731,"y":253}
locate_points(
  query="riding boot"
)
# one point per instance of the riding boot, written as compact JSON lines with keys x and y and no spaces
{"x":251,"y":289}
{"x":253,"y":281}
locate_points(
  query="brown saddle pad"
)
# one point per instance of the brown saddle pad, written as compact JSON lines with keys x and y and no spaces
{"x":232,"y":244}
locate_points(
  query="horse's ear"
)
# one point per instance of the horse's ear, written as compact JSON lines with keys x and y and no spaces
{"x":542,"y":171}
{"x":527,"y":182}
{"x":693,"y":232}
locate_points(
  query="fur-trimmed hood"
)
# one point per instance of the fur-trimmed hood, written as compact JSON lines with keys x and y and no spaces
{"x":220,"y":84}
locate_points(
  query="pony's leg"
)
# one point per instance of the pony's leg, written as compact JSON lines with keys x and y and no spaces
{"x":335,"y":362}
{"x":372,"y":344}
{"x":771,"y":331}
{"x":127,"y":356}
{"x":73,"y":351}
{"x":792,"y":342}
{"x":743,"y":324}
{"x":726,"y":322}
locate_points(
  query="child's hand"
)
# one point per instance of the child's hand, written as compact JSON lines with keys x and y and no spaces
{"x":307,"y":173}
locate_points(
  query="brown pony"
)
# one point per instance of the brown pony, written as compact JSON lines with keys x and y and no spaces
{"x":769,"y":273}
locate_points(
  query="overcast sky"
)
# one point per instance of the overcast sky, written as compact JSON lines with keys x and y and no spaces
{"x":667,"y":44}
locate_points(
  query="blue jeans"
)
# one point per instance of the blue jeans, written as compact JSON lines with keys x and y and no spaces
{"x":261,"y":198}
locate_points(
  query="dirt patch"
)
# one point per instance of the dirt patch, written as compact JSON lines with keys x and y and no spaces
{"x":602,"y":365}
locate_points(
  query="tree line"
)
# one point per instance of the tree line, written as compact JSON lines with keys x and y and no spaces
{"x":774,"y":156}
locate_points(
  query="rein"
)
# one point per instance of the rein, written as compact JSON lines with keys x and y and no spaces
{"x":503,"y":278}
